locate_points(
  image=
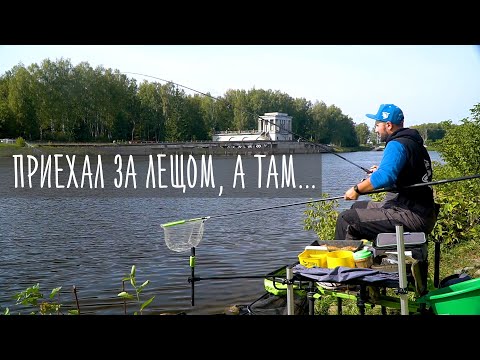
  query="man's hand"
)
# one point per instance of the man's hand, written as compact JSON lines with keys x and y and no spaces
{"x":362,"y":188}
{"x":351,"y":194}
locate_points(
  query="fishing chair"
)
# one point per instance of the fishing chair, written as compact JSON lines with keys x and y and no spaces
{"x":418,"y":269}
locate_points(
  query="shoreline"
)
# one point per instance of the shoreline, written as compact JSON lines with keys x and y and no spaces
{"x":188,"y":148}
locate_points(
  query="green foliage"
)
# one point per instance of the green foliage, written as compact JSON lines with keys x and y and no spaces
{"x":363,"y":133}
{"x":21,"y":142}
{"x":138,"y":290}
{"x":327,"y":304}
{"x":460,"y":145}
{"x":374,"y":137}
{"x":431,"y":132}
{"x":378,"y":196}
{"x":321,"y":218}
{"x":31,"y":297}
{"x":459,"y":217}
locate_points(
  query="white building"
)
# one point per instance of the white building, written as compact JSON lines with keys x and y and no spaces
{"x":274,"y":126}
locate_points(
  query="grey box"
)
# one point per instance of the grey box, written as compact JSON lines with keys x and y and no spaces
{"x":410,"y":240}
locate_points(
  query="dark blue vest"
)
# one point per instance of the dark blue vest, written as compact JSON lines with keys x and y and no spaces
{"x":417,"y":169}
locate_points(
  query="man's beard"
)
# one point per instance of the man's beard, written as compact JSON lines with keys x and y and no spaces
{"x":383,"y":137}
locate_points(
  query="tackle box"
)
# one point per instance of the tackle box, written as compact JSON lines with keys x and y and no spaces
{"x":388,"y":241}
{"x":333,"y":245}
{"x":416,"y":242}
{"x":313,"y":256}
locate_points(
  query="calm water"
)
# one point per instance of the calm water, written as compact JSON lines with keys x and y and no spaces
{"x":91,"y":242}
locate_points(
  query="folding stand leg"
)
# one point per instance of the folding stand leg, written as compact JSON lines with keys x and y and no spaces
{"x":361,"y":299}
{"x":311,"y":298}
{"x":192,"y":266}
{"x":339,"y":306}
{"x":402,"y":272}
{"x":436,"y":271}
{"x":290,"y":297}
{"x":384,"y":308}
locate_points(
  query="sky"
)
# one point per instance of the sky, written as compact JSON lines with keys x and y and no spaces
{"x":429,"y":83}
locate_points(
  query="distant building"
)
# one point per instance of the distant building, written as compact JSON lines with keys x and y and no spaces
{"x":274,"y":126}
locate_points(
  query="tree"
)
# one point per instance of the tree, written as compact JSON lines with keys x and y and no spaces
{"x":151,"y":109}
{"x":242,"y":120}
{"x":84,"y":106}
{"x":21,"y":101}
{"x":431,"y":131}
{"x":342,"y":130}
{"x":319,"y":126}
{"x":7,"y":120}
{"x":300,"y":115}
{"x":363,"y":133}
{"x":374,"y":138}
{"x":460,"y":145}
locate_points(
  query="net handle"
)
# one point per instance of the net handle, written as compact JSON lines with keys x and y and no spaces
{"x":178,"y":222}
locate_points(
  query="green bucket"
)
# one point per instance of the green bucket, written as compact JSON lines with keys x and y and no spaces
{"x":458,"y":299}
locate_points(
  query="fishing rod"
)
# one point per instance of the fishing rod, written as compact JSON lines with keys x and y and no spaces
{"x":229,"y":106}
{"x":187,"y":234}
{"x":391,"y":189}
{"x":183,"y":234}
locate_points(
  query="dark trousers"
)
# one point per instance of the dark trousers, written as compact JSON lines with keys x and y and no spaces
{"x":366,"y":219}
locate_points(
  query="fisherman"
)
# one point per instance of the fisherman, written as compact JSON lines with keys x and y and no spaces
{"x":405,"y":162}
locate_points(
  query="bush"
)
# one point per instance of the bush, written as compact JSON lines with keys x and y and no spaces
{"x":21,"y":142}
{"x":321,"y":218}
{"x":459,"y":217}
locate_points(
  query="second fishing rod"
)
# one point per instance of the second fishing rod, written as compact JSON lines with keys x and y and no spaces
{"x":324,"y":147}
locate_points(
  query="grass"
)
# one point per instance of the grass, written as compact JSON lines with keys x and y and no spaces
{"x":7,"y":150}
{"x":452,"y":260}
{"x":341,"y":149}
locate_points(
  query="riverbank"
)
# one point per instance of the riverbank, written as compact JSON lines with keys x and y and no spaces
{"x":190,"y":148}
{"x":193,"y":148}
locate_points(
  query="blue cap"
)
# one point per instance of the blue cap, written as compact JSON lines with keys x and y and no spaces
{"x":388,"y":112}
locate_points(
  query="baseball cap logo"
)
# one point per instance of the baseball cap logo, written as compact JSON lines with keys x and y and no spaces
{"x":385,"y":115}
